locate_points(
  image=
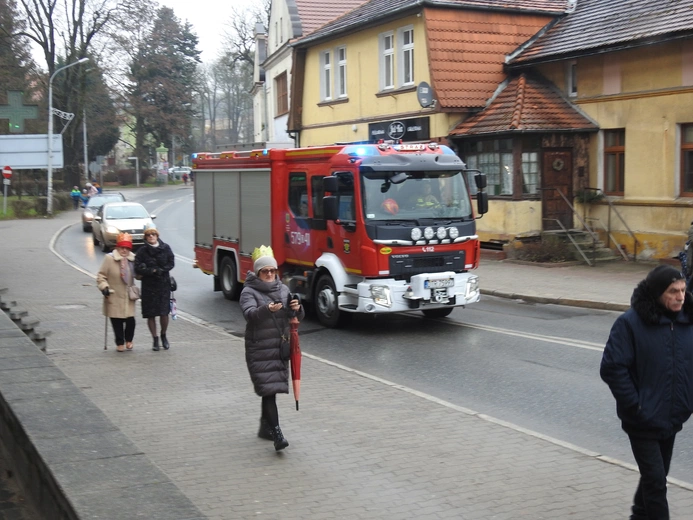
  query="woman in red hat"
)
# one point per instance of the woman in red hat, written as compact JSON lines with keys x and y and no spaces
{"x":116,"y":273}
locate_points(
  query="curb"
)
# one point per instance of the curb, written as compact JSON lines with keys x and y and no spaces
{"x":587,"y":304}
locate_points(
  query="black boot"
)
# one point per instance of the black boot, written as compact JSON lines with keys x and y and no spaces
{"x":279,"y":441}
{"x":164,"y":342}
{"x":265,"y":432}
{"x":155,"y":346}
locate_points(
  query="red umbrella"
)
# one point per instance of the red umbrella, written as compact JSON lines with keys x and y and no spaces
{"x":295,"y":359}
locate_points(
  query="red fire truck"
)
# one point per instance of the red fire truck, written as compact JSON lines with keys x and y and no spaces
{"x":356,"y":228}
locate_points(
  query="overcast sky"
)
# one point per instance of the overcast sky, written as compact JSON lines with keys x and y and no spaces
{"x":208,"y":17}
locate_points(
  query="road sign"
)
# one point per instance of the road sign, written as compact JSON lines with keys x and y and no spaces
{"x":7,"y":172}
{"x":6,"y":182}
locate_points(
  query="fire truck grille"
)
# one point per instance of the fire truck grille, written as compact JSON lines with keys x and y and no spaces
{"x":428,"y":262}
{"x":405,"y":266}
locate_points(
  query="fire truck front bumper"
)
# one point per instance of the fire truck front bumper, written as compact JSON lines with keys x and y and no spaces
{"x":424,"y":291}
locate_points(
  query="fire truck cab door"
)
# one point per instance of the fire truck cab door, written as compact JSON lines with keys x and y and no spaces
{"x":344,"y":234}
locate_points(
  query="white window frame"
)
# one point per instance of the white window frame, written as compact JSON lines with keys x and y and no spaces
{"x":571,"y":78}
{"x":340,"y":57}
{"x":326,"y":75}
{"x":405,"y":56}
{"x":387,"y":60}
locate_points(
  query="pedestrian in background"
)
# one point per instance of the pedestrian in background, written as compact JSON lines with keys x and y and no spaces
{"x":91,"y":189}
{"x":648,"y":365}
{"x":115,"y":275}
{"x":153,"y":262}
{"x":84,"y":197}
{"x":76,"y":197}
{"x":265,"y":305}
{"x":689,"y":258}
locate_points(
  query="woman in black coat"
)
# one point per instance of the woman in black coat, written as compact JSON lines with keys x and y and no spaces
{"x":267,"y":308}
{"x":153,"y":262}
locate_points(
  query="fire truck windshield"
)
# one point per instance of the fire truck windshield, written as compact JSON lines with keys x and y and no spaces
{"x":427,"y":194}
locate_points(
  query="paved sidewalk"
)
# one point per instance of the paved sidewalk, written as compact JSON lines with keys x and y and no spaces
{"x":360,"y":447}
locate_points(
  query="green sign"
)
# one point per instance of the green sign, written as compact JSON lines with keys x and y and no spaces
{"x":17,"y":112}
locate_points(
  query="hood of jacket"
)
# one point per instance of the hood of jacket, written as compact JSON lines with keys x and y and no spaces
{"x":651,"y":311}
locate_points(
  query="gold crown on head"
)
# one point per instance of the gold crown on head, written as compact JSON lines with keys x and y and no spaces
{"x":261,"y":251}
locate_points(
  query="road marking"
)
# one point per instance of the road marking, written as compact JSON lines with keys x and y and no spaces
{"x":588,"y":345}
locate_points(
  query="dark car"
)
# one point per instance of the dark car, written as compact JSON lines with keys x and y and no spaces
{"x":93,"y":205}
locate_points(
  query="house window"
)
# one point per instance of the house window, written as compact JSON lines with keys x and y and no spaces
{"x":571,"y":78}
{"x":495,"y":159}
{"x":406,"y":39}
{"x":325,"y":76}
{"x":687,"y":160}
{"x":341,"y":85}
{"x":387,"y":61}
{"x":282,"y":92}
{"x":530,"y":172}
{"x":614,"y":161}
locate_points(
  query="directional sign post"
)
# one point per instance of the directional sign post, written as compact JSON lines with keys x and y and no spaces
{"x":7,"y":174}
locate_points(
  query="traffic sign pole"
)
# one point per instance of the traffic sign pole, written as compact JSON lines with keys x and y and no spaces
{"x":6,"y":173}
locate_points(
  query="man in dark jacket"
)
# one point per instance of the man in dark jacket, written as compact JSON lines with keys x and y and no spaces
{"x":648,"y":365}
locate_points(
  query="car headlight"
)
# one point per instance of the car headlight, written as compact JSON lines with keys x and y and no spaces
{"x":454,"y":232}
{"x":112,"y":229}
{"x":88,"y":214}
{"x":429,"y":233}
{"x":440,"y":233}
{"x":381,"y":295}
{"x":416,"y":234}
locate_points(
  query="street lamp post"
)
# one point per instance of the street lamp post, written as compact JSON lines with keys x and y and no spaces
{"x":49,"y":205}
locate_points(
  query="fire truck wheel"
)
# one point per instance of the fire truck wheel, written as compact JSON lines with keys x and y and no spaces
{"x":230,"y":285}
{"x":326,"y":307}
{"x":438,"y":313}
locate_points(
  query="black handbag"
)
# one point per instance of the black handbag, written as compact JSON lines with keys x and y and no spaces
{"x":174,"y":285}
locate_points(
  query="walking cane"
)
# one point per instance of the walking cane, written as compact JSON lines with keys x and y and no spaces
{"x":105,"y":332}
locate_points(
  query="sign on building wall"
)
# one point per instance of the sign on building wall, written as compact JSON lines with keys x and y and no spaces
{"x":412,"y":129}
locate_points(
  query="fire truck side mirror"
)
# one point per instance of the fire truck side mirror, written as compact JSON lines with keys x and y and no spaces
{"x":480,"y":180}
{"x":330,"y":207}
{"x":481,"y":202}
{"x":330,"y":184}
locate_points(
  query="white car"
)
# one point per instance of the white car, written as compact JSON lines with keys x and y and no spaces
{"x":120,"y":217}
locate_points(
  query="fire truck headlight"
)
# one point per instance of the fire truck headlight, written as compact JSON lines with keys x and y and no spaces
{"x":440,"y":233}
{"x":429,"y":233}
{"x":454,"y":232}
{"x":472,"y":285}
{"x":381,"y":295}
{"x":416,"y":234}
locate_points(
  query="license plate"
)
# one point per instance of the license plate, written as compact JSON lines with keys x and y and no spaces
{"x":439,"y":284}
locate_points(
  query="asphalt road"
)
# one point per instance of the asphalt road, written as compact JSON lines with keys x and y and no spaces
{"x":532,"y":365}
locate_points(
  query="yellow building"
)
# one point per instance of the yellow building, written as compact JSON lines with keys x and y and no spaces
{"x":557,"y":106}
{"x":397,"y":70}
{"x":630,"y":69}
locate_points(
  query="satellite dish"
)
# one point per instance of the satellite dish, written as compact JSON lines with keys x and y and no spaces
{"x":424,"y":93}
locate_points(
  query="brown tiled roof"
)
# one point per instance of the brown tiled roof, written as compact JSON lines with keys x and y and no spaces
{"x":312,"y":14}
{"x":616,"y":24}
{"x":527,"y":104}
{"x":467,"y":49}
{"x":376,"y":11}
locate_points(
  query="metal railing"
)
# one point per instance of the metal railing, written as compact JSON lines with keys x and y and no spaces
{"x":575,"y":244}
{"x":607,"y":228}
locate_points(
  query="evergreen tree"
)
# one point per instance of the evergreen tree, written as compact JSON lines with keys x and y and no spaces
{"x":163,"y":78}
